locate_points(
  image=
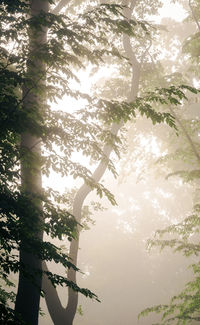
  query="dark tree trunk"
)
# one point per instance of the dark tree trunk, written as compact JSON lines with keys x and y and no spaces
{"x":28,"y":294}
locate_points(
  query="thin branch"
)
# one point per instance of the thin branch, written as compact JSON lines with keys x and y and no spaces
{"x":77,"y":208}
{"x":100,"y":170}
{"x":52,"y":300}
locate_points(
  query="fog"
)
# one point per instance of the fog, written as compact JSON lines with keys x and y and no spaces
{"x":99,"y":150}
{"x":114,"y":257}
{"x":113,"y":254}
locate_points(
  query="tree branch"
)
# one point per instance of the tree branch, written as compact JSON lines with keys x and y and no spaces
{"x":60,"y":315}
{"x":52,"y":299}
{"x":77,"y":207}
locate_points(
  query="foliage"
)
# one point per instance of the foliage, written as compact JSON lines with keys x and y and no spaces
{"x":179,"y":159}
{"x":79,"y":310}
{"x":8,"y":317}
{"x":52,"y":127}
{"x":69,"y":45}
{"x":184,"y":307}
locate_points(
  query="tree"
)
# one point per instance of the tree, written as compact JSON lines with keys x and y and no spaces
{"x":31,"y":178}
{"x":36,"y":64}
{"x":59,"y":314}
{"x":23,"y":219}
{"x":183,"y":307}
{"x":29,"y":118}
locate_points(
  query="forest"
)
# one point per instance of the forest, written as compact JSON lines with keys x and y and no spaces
{"x":99,"y":162}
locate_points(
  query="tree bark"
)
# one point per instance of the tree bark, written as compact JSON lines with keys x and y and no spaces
{"x":28,"y":293}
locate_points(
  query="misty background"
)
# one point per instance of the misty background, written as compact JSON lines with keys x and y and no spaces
{"x":113,"y":254}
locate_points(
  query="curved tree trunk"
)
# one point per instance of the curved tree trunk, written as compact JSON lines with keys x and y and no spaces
{"x":28,"y":294}
{"x":65,"y":316}
{"x":59,"y":315}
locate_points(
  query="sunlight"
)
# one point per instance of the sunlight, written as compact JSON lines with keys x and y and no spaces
{"x":164,"y":194}
{"x":88,"y":78}
{"x":124,"y":226}
{"x":150,"y":145}
{"x":196,"y":83}
{"x":85,"y":271}
{"x":171,"y":10}
{"x":103,"y":132}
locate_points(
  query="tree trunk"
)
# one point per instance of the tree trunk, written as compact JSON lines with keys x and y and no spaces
{"x":28,"y":294}
{"x":54,"y":305}
{"x":60,"y":315}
